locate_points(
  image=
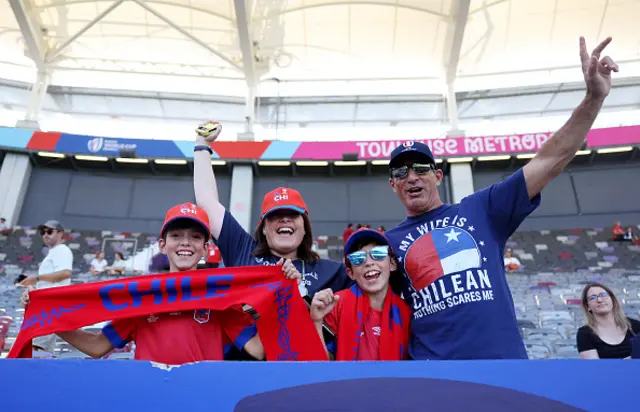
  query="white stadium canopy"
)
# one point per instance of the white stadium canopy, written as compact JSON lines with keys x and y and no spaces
{"x":320,"y":48}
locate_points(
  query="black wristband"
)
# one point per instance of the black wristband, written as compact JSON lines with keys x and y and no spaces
{"x":202,"y":147}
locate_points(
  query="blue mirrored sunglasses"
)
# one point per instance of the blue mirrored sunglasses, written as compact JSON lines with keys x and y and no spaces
{"x":599,"y":295}
{"x":376,"y":253}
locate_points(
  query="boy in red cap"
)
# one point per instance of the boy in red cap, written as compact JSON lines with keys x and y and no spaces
{"x":179,"y":337}
{"x":283,"y":235}
{"x":370,"y":320}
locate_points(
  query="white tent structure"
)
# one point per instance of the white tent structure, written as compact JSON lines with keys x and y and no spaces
{"x":247,"y":50}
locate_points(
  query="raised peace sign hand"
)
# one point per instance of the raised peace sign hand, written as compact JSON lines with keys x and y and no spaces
{"x":597,"y":71}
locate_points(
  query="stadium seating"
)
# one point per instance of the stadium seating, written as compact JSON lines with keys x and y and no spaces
{"x":576,"y":250}
{"x":21,"y":253}
{"x":24,"y":247}
{"x":546,"y":292}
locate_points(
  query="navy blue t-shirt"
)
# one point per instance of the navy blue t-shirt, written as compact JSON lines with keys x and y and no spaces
{"x":236,"y":247}
{"x":454,"y":278}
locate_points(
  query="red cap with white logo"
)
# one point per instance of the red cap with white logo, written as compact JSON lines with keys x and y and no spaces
{"x":188,"y":211}
{"x":282,"y":198}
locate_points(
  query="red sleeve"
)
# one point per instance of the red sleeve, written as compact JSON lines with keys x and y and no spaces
{"x":332,"y":319}
{"x":121,"y":331}
{"x":238,"y":326}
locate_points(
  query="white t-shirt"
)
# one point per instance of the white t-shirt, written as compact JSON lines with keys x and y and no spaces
{"x":99,"y":265}
{"x":4,"y":226}
{"x":511,"y":261}
{"x":118,"y":264}
{"x":59,"y":258}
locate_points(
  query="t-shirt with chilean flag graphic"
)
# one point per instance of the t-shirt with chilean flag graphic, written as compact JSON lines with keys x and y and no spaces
{"x":455,"y":281}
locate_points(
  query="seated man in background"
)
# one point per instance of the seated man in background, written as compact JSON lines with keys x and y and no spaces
{"x":4,"y":227}
{"x":617,"y":231}
{"x":179,"y":337}
{"x":511,"y":262}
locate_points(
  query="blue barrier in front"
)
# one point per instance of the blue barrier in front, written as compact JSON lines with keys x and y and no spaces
{"x":523,"y":386}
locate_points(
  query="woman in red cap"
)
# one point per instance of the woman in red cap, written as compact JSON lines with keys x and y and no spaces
{"x":283,"y":235}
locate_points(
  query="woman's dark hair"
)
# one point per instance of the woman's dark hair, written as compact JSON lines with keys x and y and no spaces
{"x":395,"y":277}
{"x":120,"y":254}
{"x":184,"y":224}
{"x":305,"y":250}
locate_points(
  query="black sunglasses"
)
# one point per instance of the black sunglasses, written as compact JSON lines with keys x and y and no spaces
{"x":418,"y":168}
{"x":47,"y":231}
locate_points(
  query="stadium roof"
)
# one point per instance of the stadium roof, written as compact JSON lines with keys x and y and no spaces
{"x":481,"y":43}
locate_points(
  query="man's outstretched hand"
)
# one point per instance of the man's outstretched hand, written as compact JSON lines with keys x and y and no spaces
{"x":596,"y":70}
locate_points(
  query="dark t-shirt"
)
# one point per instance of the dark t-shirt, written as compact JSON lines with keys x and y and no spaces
{"x":236,"y":247}
{"x":588,"y":340}
{"x":455,"y":283}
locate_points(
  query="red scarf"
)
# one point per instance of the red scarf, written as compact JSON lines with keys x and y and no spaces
{"x":394,"y":327}
{"x":285,"y":328}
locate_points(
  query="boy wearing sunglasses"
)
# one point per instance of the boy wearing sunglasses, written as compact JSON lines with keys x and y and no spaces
{"x":370,"y":321}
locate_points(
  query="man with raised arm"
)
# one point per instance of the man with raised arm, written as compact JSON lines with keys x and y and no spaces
{"x":452,"y":255}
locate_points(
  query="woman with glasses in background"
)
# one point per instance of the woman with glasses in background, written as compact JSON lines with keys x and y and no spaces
{"x":608,"y":332}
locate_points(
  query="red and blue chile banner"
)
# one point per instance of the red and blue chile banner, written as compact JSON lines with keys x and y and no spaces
{"x":285,"y":327}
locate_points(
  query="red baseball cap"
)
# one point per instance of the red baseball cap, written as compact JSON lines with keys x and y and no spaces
{"x":188,"y":211}
{"x":282,"y":198}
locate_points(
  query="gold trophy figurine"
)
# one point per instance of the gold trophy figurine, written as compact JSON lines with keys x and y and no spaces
{"x":209,"y":130}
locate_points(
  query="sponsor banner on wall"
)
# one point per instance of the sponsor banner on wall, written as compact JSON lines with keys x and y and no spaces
{"x":107,"y":146}
{"x":458,"y":146}
{"x":12,"y":138}
{"x":614,"y":136}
